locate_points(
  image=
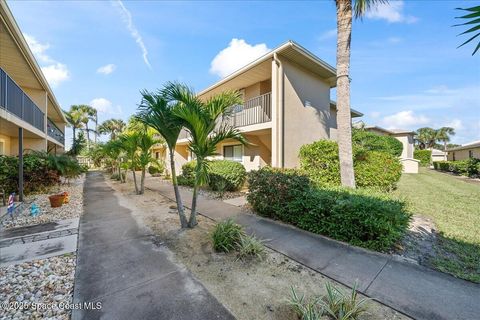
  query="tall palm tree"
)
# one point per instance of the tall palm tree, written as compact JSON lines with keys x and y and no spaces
{"x":201,"y":120}
{"x":74,"y":120}
{"x":426,"y":138}
{"x":443,"y":135}
{"x":156,"y":112}
{"x":88,"y":113}
{"x":344,"y":121}
{"x":113,"y":127}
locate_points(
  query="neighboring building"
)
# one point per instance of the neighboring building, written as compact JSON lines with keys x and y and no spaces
{"x":287,"y":104}
{"x":468,"y":150}
{"x":438,"y":155}
{"x":28,"y":106}
{"x":410,"y":165}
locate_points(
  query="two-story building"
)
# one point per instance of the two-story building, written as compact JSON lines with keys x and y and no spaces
{"x":30,"y":116}
{"x":287,"y":104}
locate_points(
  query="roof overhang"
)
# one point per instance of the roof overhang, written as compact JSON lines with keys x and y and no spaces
{"x":291,"y":51}
{"x":471,"y":145}
{"x":16,"y":34}
{"x":354,"y":113}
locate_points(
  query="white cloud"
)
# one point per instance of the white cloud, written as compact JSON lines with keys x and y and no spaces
{"x":105,"y":106}
{"x":394,"y":40}
{"x":456,"y":124}
{"x":329,"y":34}
{"x":404,"y":120}
{"x":127,"y":19}
{"x":238,"y":54}
{"x":54,"y":71}
{"x":391,"y":11}
{"x":438,"y":97}
{"x":107,"y":69}
{"x":375,"y":114}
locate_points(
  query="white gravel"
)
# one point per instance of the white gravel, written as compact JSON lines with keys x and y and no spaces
{"x":73,"y":209}
{"x":38,"y":289}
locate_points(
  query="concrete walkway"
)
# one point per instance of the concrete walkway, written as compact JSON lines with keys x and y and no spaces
{"x":128,"y":270}
{"x":416,"y":291}
{"x":39,"y":241}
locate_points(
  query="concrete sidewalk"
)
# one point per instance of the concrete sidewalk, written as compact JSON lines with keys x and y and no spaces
{"x":128,"y":271}
{"x":416,"y":291}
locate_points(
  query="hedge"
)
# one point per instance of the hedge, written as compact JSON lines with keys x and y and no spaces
{"x":361,"y":217}
{"x":469,"y":167}
{"x":373,"y":169}
{"x":370,"y":141}
{"x":40,"y":171}
{"x":226,"y":175}
{"x":223,"y":174}
{"x":425,"y":157}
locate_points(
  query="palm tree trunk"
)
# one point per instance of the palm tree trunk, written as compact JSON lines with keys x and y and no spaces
{"x":142,"y":182}
{"x":192,"y":222}
{"x":178,"y":198}
{"x":344,"y":121}
{"x":96,"y":129}
{"x":74,"y":134}
{"x":135,"y":180}
{"x":445,"y":150}
{"x":88,"y":136}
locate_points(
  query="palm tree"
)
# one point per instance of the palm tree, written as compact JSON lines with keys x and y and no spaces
{"x":201,"y":119}
{"x":157,"y":112}
{"x":443,"y":135}
{"x":344,"y":121}
{"x":112,"y":150}
{"x":129,"y":144}
{"x":425,"y":138}
{"x":88,"y":113}
{"x":473,"y":23}
{"x":113,"y":127}
{"x":145,"y":143}
{"x":74,"y":120}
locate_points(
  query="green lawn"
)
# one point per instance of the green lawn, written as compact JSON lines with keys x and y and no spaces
{"x":454,"y":206}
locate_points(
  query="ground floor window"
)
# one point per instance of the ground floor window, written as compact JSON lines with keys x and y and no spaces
{"x":157,"y":155}
{"x":234,"y":153}
{"x":470,"y":153}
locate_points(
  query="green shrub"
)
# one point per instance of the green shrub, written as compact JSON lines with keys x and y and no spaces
{"x":228,"y":174}
{"x":40,"y":171}
{"x":335,"y":304}
{"x":187,"y":178}
{"x":361,"y":217}
{"x":276,"y":202}
{"x":369,"y":141}
{"x":250,"y":246}
{"x":320,"y":162}
{"x":223,"y":174}
{"x":425,"y":157}
{"x":468,"y":167}
{"x":226,"y":236}
{"x":373,"y":169}
{"x":156,"y":168}
{"x":377,"y":170}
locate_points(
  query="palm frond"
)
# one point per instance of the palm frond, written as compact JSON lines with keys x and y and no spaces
{"x":474,"y":19}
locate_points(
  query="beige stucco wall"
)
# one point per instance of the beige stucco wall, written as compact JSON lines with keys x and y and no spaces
{"x":28,"y":143}
{"x":257,"y":89}
{"x":464,"y":154}
{"x":303,"y":123}
{"x":407,"y":141}
{"x":6,"y":145}
{"x":410,"y":165}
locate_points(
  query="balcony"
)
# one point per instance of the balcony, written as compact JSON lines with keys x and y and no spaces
{"x":54,"y":132}
{"x":15,"y":101}
{"x":253,"y":111}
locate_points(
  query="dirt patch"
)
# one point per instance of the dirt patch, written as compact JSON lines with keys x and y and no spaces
{"x":250,"y":289}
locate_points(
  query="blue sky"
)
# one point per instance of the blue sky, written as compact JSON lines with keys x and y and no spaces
{"x":405,"y":68}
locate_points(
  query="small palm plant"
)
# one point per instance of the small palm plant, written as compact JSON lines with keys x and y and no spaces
{"x":203,"y":120}
{"x":157,"y":113}
{"x":129,"y":144}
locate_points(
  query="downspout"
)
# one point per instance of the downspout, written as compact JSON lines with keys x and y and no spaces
{"x":281,"y":103}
